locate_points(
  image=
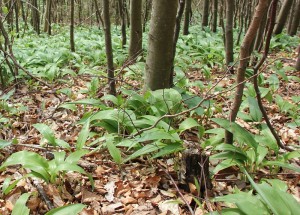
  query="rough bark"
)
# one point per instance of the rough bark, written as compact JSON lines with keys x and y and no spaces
{"x":136,"y":30}
{"x":229,"y":32}
{"x":160,"y":48}
{"x":187,"y":16}
{"x":244,"y":59}
{"x":108,"y":48}
{"x":205,"y":14}
{"x":72,"y":42}
{"x":296,"y":20}
{"x":215,"y":16}
{"x":282,"y":17}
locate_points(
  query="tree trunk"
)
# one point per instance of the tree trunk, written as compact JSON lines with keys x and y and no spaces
{"x":123,"y":22}
{"x":47,"y":22}
{"x":282,"y":17}
{"x":108,"y":48}
{"x":72,"y":42}
{"x":35,"y":16}
{"x":244,"y":59}
{"x":297,"y":65}
{"x":296,"y":20}
{"x":187,"y":16}
{"x":147,"y":8}
{"x":215,"y":16}
{"x":205,"y":13}
{"x":229,"y":32}
{"x":16,"y":7}
{"x":160,"y":48}
{"x":136,"y":29}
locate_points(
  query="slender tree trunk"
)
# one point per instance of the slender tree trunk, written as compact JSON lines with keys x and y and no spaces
{"x":160,"y":49}
{"x":147,"y":8}
{"x":136,"y":29}
{"x":244,"y":59}
{"x":296,"y":20}
{"x":35,"y":16}
{"x":229,"y":32}
{"x":108,"y":48}
{"x":16,"y":7}
{"x":297,"y":65}
{"x":47,"y":21}
{"x":72,"y":42}
{"x":205,"y":13}
{"x":187,"y":16}
{"x":282,"y":17}
{"x":215,"y":16}
{"x":123,"y":22}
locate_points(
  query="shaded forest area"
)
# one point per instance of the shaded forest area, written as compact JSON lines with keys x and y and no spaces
{"x":149,"y":107}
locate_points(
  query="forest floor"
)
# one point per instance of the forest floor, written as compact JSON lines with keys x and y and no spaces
{"x":141,"y":186}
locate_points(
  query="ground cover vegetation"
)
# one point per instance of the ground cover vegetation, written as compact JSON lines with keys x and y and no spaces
{"x":117,"y":118}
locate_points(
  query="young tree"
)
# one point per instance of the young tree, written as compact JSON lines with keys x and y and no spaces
{"x":282,"y":17}
{"x":108,"y":48}
{"x":160,"y":47}
{"x":136,"y":29}
{"x":229,"y":32}
{"x":187,"y":16}
{"x":205,"y":13}
{"x":244,"y":59}
{"x":72,"y":42}
{"x":296,"y":20}
{"x":215,"y":16}
{"x":123,"y":23}
{"x":47,"y":21}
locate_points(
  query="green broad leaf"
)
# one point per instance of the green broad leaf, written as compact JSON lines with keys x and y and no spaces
{"x":282,"y":164}
{"x":261,"y":152}
{"x":241,"y":134}
{"x":145,"y":150}
{"x":69,"y":106}
{"x":111,"y":98}
{"x":30,"y":160}
{"x":230,"y":155}
{"x":229,"y":147}
{"x":20,"y":206}
{"x":246,"y":202}
{"x":255,"y":112}
{"x":4,"y":143}
{"x":47,"y":133}
{"x":272,"y":197}
{"x":224,"y":164}
{"x":227,"y":211}
{"x":95,"y":102}
{"x":114,"y":152}
{"x":157,"y":134}
{"x":74,"y":157}
{"x":67,"y":210}
{"x":292,"y":155}
{"x":277,"y":184}
{"x":169,"y":149}
{"x":188,"y":124}
{"x":70,"y":167}
{"x":62,"y":143}
{"x":83,"y":135}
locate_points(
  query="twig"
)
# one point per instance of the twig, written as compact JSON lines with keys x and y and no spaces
{"x":43,"y":194}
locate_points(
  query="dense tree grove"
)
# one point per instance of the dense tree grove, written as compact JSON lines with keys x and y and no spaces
{"x":149,"y":107}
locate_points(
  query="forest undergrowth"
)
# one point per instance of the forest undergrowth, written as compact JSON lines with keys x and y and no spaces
{"x":84,"y":150}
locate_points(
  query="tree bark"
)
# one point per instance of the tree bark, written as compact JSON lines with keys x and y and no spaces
{"x":205,"y":14}
{"x":136,"y":30}
{"x":215,"y":16}
{"x":244,"y":59}
{"x":123,"y":23}
{"x":229,"y":32}
{"x":296,"y":20}
{"x":187,"y":16}
{"x":108,"y":48}
{"x":47,"y":22}
{"x":160,"y":48}
{"x":282,"y":17}
{"x":297,"y":65}
{"x":35,"y":16}
{"x":72,"y":42}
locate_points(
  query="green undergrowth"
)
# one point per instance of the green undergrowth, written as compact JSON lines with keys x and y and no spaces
{"x":152,"y":124}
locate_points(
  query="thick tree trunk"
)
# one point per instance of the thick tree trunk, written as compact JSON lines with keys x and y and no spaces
{"x":187,"y":16}
{"x":205,"y":14}
{"x":296,"y":20}
{"x":282,"y":17}
{"x":136,"y":30}
{"x":244,"y":59}
{"x":108,"y":48}
{"x":72,"y":42}
{"x":215,"y":16}
{"x":160,"y":49}
{"x":229,"y":32}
